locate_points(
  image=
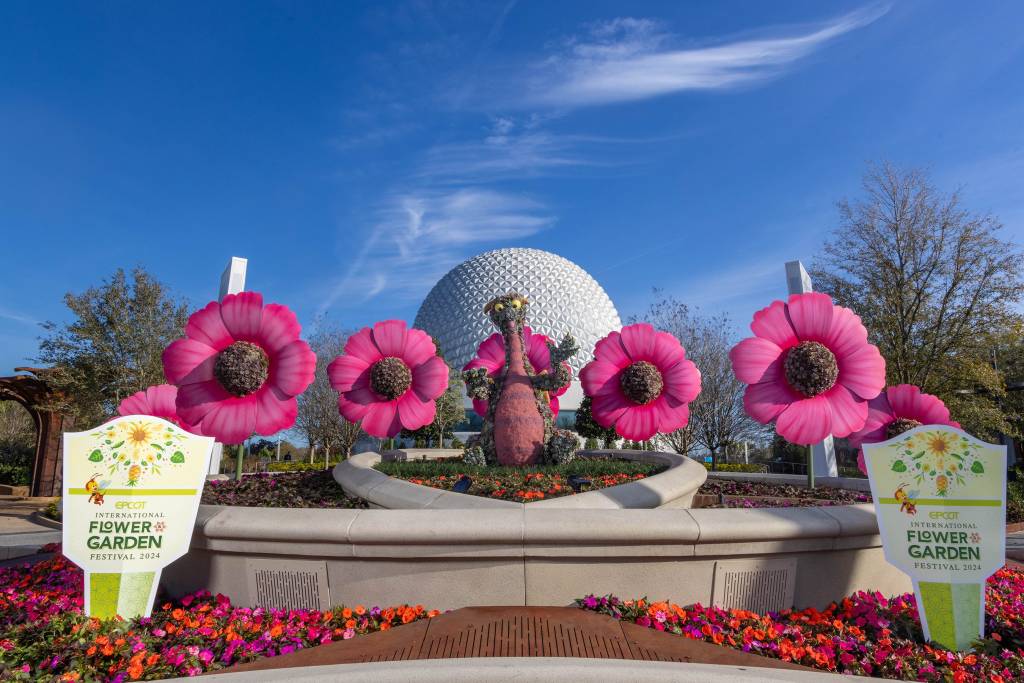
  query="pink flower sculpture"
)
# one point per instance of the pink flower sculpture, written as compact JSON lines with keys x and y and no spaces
{"x":640,"y":382}
{"x":810,"y":369}
{"x":239,"y":368}
{"x":390,"y":377}
{"x":491,"y":355}
{"x":896,"y":410}
{"x":157,"y":401}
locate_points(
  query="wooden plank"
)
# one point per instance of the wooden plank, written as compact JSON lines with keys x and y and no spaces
{"x":516,"y":632}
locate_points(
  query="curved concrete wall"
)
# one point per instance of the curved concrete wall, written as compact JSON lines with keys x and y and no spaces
{"x":673,"y":488}
{"x":447,"y":559}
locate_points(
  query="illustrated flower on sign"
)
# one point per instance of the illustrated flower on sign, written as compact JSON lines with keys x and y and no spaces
{"x":810,"y":369}
{"x":158,"y":401}
{"x":897,"y":410}
{"x":390,"y":377}
{"x":941,"y":459}
{"x":134,"y":448}
{"x":239,"y":368}
{"x":640,"y":382}
{"x":491,"y":356}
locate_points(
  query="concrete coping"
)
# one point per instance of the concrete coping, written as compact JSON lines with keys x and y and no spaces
{"x":674,"y":487}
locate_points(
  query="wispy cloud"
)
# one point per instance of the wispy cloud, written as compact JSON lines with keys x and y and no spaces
{"x":629,"y":59}
{"x":418,"y":235}
{"x":7,"y":314}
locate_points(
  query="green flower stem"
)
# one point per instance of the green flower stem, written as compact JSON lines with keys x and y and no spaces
{"x":810,"y":466}
{"x":239,"y":459}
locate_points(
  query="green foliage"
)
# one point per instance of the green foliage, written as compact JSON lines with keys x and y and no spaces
{"x":55,"y":510}
{"x":736,"y":467}
{"x":456,"y":443}
{"x":583,"y":466}
{"x":15,"y":475}
{"x":588,"y":428}
{"x":590,"y":444}
{"x":112,"y":346}
{"x":292,"y":466}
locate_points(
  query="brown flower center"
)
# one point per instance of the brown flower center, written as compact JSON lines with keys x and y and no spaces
{"x":241,"y":368}
{"x":900,"y":425}
{"x":390,"y":377}
{"x":641,"y":382}
{"x":811,"y":368}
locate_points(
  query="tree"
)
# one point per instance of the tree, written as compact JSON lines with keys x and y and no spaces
{"x":588,"y":428}
{"x":318,"y":418}
{"x":934,"y":284}
{"x":112,"y":347}
{"x":717,"y":416}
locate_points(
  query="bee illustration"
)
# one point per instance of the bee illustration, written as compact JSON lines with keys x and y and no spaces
{"x":96,"y":489}
{"x":906,"y":499}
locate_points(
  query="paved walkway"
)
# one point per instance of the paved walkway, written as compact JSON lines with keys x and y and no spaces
{"x":473,"y":632}
{"x":1015,"y":546}
{"x":20,"y":535}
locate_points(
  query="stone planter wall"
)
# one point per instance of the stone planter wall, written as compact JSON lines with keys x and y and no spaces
{"x":673,"y":488}
{"x":522,"y":555}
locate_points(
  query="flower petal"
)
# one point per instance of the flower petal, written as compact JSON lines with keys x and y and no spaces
{"x":848,"y":411}
{"x":682,"y":381}
{"x":537,"y":351}
{"x":490,"y":355}
{"x":275,"y":411}
{"x":419,"y":347}
{"x":805,"y":422}
{"x":293,"y":368}
{"x":670,"y":414}
{"x":196,"y":400}
{"x":752,"y":359}
{"x":187,"y":361}
{"x":910,"y":402}
{"x":361,"y":346}
{"x":862,"y":371}
{"x":430,"y":379}
{"x":765,"y":401}
{"x":667,"y":351}
{"x":382,"y":419}
{"x":610,"y":350}
{"x":161,"y":400}
{"x":413,"y":412}
{"x":847,"y":333}
{"x":345,"y":371}
{"x":639,"y":341}
{"x":607,"y":408}
{"x":242,"y":314}
{"x":354,"y":405}
{"x":390,"y":336}
{"x":600,"y":377}
{"x":880,"y":415}
{"x":771,"y":323}
{"x":480,"y":407}
{"x":206,"y":326}
{"x":810,"y":315}
{"x":231,"y":421}
{"x":637,"y":423}
{"x":279,"y":327}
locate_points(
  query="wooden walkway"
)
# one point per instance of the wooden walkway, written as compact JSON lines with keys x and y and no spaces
{"x":516,"y":632}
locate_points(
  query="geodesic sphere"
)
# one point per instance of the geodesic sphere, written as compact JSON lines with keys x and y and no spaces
{"x":563,"y":298}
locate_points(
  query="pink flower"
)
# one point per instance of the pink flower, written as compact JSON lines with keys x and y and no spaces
{"x":810,"y":369}
{"x":389,"y":377}
{"x":641,"y":382}
{"x":896,"y":410}
{"x":158,"y":401}
{"x":239,"y":368}
{"x":491,"y":355}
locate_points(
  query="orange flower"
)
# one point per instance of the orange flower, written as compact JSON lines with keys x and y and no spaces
{"x":385,"y":626}
{"x":433,"y":613}
{"x":351,"y":623}
{"x":346,"y":613}
{"x":360,"y":610}
{"x":407,"y":617}
{"x":178,"y":614}
{"x":276,"y":631}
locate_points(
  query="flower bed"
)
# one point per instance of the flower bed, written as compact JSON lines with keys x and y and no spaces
{"x":286,"y":490}
{"x":521,"y":484}
{"x":762,"y":494}
{"x":44,"y":636}
{"x":867,"y":634}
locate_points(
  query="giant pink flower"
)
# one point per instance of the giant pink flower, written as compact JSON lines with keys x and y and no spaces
{"x":239,"y":368}
{"x":896,"y":410}
{"x":810,"y":369}
{"x":491,"y":356}
{"x":390,"y":377}
{"x":158,"y":401}
{"x":640,"y":382}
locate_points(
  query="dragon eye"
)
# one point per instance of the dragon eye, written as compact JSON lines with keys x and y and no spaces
{"x":499,"y":307}
{"x":516,"y":303}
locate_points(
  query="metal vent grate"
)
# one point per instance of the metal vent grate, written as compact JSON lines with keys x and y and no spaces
{"x":291,"y":584}
{"x":755,"y":585}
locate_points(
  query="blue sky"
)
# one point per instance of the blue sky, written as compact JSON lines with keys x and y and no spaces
{"x":356,"y":151}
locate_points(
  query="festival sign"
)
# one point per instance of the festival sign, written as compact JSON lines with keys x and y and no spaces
{"x":131,"y":494}
{"x":940,"y":499}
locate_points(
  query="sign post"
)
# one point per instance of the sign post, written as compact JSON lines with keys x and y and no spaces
{"x":940,"y":499}
{"x":131,"y":493}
